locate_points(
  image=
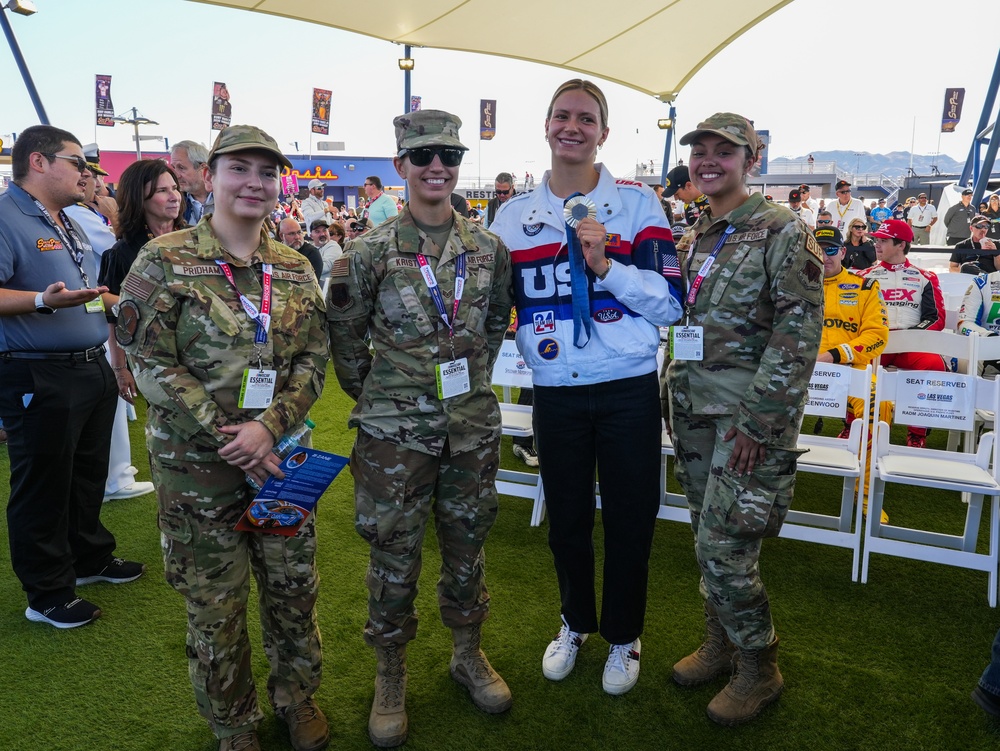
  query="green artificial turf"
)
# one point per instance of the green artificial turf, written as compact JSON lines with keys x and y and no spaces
{"x":887,"y":665}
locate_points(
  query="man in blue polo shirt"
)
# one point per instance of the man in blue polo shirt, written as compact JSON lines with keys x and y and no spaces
{"x":57,"y":391}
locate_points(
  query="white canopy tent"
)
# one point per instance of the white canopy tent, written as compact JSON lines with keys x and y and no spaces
{"x":652,"y":46}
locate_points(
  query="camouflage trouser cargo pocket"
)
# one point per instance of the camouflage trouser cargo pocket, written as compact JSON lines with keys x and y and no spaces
{"x":758,"y":503}
{"x":176,"y":535}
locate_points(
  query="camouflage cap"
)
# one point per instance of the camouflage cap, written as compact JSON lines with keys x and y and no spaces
{"x":428,"y":128}
{"x":246,"y":138}
{"x":734,"y":128}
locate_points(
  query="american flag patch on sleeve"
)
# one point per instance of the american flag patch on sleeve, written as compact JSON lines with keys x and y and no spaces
{"x":340,"y":267}
{"x":671,"y":266}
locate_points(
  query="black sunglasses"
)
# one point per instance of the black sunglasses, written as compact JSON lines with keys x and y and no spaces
{"x":841,"y":192}
{"x":981,"y":226}
{"x":79,"y":161}
{"x":425,"y":155}
{"x":502,"y":192}
{"x":824,"y":221}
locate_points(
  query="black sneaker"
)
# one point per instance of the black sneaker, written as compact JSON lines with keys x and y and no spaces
{"x":68,"y":615}
{"x":116,"y":572}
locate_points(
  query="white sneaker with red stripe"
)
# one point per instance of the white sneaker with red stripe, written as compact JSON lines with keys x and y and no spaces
{"x":560,"y":656}
{"x":621,"y":671}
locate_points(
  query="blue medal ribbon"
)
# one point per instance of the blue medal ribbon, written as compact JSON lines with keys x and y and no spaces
{"x":579,"y":283}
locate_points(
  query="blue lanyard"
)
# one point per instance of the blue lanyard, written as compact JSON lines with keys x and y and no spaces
{"x":435,"y":289}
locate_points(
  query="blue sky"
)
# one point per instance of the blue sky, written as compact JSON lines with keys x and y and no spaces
{"x":819,"y":74}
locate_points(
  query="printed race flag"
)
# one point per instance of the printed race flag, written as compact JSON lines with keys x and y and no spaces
{"x":414,"y":103}
{"x":487,"y":119}
{"x":222,"y":107}
{"x":321,"y":111}
{"x":105,"y":109}
{"x":953,"y":99}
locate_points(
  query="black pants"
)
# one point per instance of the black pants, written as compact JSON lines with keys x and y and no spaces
{"x":615,"y":428}
{"x":58,"y":416}
{"x":525,"y":396}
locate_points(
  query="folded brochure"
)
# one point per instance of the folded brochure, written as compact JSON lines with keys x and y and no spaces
{"x":282,"y":506}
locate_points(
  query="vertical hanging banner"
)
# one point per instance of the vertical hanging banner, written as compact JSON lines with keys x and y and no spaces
{"x":487,"y":119}
{"x":222,"y":108}
{"x":414,"y":103}
{"x":102,"y":94}
{"x":953,"y":99}
{"x":321,"y":111}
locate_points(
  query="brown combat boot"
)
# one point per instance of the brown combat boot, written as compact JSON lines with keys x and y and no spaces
{"x":756,"y":684}
{"x":712,"y":658}
{"x":245,"y":741}
{"x":307,"y":726}
{"x":387,"y":723}
{"x":470,"y":667}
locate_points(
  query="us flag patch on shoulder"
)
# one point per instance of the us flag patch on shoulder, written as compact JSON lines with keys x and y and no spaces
{"x":340,"y":267}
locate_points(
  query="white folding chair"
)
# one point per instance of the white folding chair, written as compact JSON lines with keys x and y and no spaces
{"x":510,"y":371}
{"x":987,"y":350}
{"x":938,"y":400}
{"x":951,"y":346}
{"x":836,"y":457}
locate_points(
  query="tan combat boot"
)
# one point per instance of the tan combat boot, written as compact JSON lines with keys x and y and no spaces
{"x":470,"y":667}
{"x":387,"y":724}
{"x":307,"y":726}
{"x":711,"y":659}
{"x":757,"y":683}
{"x":245,"y":741}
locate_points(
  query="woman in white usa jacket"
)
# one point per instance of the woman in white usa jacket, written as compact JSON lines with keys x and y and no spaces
{"x":596,"y":402}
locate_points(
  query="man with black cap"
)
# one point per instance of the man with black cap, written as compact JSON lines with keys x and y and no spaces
{"x":958,"y":219}
{"x":225,"y":330}
{"x":845,"y":209}
{"x":810,"y":203}
{"x":795,"y":204}
{"x":679,"y":184}
{"x":922,"y":217}
{"x":329,"y":248}
{"x":966,"y":259}
{"x":433,"y":291}
{"x":879,"y":214}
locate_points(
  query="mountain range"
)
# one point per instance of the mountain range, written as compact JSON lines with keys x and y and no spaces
{"x":893,"y":164}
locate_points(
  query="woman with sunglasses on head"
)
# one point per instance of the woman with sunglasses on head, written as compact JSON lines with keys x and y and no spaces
{"x":755,"y":292}
{"x":150,"y":204}
{"x":432,"y":291}
{"x":860,"y":250}
{"x":595,"y":276}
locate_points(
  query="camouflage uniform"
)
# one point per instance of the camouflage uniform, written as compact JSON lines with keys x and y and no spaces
{"x":191,"y":346}
{"x":761,"y":308}
{"x":412,"y":446}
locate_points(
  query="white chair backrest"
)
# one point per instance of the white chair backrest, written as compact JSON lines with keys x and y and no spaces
{"x":830,"y":386}
{"x":510,"y":369}
{"x":944,"y":343}
{"x":953,"y":284}
{"x":987,"y":348}
{"x":933,"y":399}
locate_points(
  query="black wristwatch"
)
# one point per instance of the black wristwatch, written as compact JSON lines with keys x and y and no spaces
{"x":41,"y":307}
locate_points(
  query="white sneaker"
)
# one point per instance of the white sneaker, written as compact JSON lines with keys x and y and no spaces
{"x":527,"y":455}
{"x":560,"y":656}
{"x":621,"y":671}
{"x":133,"y":490}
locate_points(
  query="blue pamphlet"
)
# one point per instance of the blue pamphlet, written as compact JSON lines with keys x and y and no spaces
{"x":282,"y":506}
